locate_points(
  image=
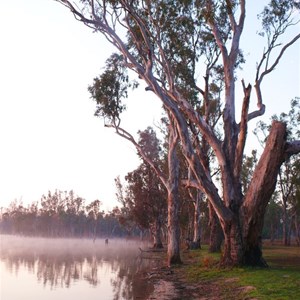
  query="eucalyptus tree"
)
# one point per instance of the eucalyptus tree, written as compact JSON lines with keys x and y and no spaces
{"x":124,"y":213}
{"x":94,"y":214}
{"x":147,"y":193}
{"x":147,"y":201}
{"x":52,"y":209}
{"x":165,"y":43}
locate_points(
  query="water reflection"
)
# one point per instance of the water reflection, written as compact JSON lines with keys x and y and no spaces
{"x":113,"y":269}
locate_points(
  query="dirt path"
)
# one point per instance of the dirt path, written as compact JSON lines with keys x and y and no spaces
{"x":170,"y":284}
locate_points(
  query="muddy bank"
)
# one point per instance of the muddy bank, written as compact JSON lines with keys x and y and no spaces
{"x":171,"y":284}
{"x":166,"y":283}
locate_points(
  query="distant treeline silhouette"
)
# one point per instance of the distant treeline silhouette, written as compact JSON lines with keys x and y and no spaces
{"x":62,"y":214}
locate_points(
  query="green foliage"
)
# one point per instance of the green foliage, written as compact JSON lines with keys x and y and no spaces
{"x":248,"y":169}
{"x":175,"y":37}
{"x":276,"y":16}
{"x":150,"y":144}
{"x":273,"y":219}
{"x":292,"y":119}
{"x":144,"y":199}
{"x":111,"y":88}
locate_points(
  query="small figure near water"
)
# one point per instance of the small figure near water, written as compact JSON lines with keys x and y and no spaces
{"x":106,"y":241}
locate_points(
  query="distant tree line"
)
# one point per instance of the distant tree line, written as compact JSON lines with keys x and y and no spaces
{"x":61,"y":214}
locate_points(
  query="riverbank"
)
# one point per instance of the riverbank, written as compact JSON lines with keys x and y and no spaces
{"x":176,"y":283}
{"x":199,"y":277}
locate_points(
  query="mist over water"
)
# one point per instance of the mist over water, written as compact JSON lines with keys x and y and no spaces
{"x":42,"y":268}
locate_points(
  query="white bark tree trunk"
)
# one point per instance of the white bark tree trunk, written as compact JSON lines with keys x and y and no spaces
{"x":197,"y":220}
{"x":173,"y":200}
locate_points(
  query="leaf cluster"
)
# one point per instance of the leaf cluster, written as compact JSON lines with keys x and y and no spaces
{"x":111,"y":88}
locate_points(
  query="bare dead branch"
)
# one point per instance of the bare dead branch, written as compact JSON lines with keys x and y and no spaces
{"x":242,"y":132}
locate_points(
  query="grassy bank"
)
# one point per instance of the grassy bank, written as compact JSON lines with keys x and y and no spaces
{"x":280,"y":281}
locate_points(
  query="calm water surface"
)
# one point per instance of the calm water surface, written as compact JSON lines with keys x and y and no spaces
{"x":71,"y":269}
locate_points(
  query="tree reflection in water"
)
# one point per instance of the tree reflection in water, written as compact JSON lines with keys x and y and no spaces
{"x":61,"y":263}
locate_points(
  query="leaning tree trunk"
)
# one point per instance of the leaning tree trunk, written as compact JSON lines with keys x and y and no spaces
{"x":242,"y":232}
{"x":259,"y":193}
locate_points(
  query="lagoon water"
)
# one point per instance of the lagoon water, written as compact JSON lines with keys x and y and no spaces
{"x":37,"y":268}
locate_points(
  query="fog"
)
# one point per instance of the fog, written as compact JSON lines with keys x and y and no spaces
{"x":22,"y":246}
{"x":60,"y":264}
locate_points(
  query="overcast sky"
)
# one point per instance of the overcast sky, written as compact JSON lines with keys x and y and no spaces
{"x":49,"y":136}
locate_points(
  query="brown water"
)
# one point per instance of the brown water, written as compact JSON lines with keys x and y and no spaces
{"x":63,"y":269}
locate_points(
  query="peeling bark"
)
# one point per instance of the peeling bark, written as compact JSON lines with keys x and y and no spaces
{"x":233,"y":250}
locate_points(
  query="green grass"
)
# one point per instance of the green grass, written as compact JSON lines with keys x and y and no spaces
{"x":280,"y":281}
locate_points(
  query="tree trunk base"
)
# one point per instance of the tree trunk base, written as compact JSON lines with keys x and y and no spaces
{"x":254,"y":258}
{"x":174,"y":260}
{"x":192,"y":245}
{"x":158,"y":246}
{"x":216,"y":234}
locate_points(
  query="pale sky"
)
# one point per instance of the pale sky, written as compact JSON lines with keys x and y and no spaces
{"x":49,"y":136}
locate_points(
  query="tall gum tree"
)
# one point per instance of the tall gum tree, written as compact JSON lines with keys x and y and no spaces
{"x":165,"y":43}
{"x":146,"y":194}
{"x":109,"y":90}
